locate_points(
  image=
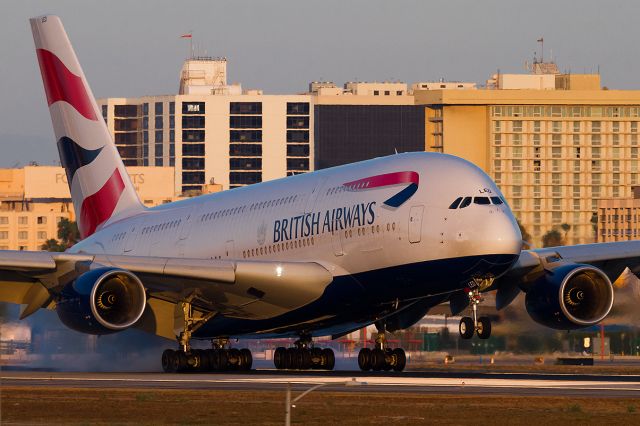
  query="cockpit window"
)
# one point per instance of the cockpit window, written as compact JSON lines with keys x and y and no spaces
{"x":481,"y":200}
{"x":456,"y":203}
{"x":496,"y":200}
{"x":465,"y":202}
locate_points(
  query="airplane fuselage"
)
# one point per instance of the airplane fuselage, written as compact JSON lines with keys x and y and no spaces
{"x":384,"y":229}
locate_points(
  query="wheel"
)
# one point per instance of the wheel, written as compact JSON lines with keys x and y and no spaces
{"x":401,"y":359}
{"x":223,"y":359}
{"x":291,"y":359}
{"x":329,"y":359}
{"x":387,"y":358}
{"x":377,"y":359}
{"x":167,"y":361}
{"x":279,"y":358}
{"x":305,"y":359}
{"x":466,"y":328}
{"x":214,"y":359}
{"x":180,"y":363}
{"x":364,"y":359}
{"x":202,"y":360}
{"x":316,"y":357}
{"x":484,"y":327}
{"x":234,"y":359}
{"x":246,"y":359}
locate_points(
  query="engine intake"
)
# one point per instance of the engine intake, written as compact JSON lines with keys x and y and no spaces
{"x":102,"y":301}
{"x":570,"y":296}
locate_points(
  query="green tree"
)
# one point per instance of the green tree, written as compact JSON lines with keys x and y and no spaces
{"x":68,"y":235}
{"x":552,"y":238}
{"x":565,"y":228}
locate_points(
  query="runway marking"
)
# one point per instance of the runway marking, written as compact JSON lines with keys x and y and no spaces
{"x":360,"y":381}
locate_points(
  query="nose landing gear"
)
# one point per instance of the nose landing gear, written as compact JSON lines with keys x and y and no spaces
{"x":382,"y":358}
{"x":468,"y":326}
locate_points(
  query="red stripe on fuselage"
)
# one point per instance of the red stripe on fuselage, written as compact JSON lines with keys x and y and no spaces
{"x":98,"y":207}
{"x":60,"y":84}
{"x":384,"y":180}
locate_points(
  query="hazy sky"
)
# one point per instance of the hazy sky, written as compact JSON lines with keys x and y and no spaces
{"x":133,"y":48}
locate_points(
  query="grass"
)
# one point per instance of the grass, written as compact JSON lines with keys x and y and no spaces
{"x":78,"y":406}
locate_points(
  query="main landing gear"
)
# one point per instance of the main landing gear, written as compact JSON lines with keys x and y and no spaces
{"x":382,"y":357}
{"x":481,"y":326}
{"x":304,"y":356}
{"x":218,"y":358}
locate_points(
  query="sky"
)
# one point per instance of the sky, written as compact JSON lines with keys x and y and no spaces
{"x":133,"y":48}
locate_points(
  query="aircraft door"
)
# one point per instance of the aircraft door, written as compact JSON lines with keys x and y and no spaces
{"x":415,"y":224}
{"x":230,"y":249}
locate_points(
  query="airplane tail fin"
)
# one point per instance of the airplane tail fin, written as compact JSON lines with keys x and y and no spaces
{"x":100,"y":186}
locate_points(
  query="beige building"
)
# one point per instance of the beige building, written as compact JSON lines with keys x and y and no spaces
{"x":619,"y":218}
{"x":553,"y":152}
{"x":212,"y":132}
{"x":34,"y":199}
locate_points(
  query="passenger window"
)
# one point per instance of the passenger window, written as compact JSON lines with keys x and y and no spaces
{"x":465,"y":202}
{"x":455,"y":204}
{"x":481,"y":200}
{"x":496,"y":200}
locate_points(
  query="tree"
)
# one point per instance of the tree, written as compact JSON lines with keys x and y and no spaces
{"x":526,"y":237}
{"x":68,"y":235}
{"x":552,"y":238}
{"x":565,"y":228}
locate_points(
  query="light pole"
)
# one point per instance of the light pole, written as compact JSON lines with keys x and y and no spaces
{"x":289,"y":404}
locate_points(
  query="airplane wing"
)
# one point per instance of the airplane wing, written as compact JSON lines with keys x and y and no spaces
{"x":235,"y":288}
{"x":610,"y":258}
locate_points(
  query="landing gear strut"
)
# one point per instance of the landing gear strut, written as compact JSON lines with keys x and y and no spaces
{"x":381,"y":357}
{"x":481,"y":326}
{"x":304,"y":356}
{"x":218,"y":358}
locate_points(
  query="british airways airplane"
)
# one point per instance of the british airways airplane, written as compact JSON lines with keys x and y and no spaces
{"x":319,"y":254}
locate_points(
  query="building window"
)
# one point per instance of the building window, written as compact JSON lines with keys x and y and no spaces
{"x":41,"y":220}
{"x":42,"y":235}
{"x":517,"y":126}
{"x":376,"y":92}
{"x":4,"y":235}
{"x":297,"y":123}
{"x":23,"y":235}
{"x":297,"y":150}
{"x":245,"y":163}
{"x":145,"y":108}
{"x":158,"y":138}
{"x":595,"y":126}
{"x":247,"y":150}
{"x":298,"y":164}
{"x":158,"y":107}
{"x":4,"y":220}
{"x":23,"y":220}
{"x":172,"y":107}
{"x":193,"y":150}
{"x":244,"y":178}
{"x":193,"y":121}
{"x":172,"y":121}
{"x":297,"y":136}
{"x":159,"y":123}
{"x":193,"y":163}
{"x":245,"y":108}
{"x":245,"y":135}
{"x":172,"y":135}
{"x":246,"y":122}
{"x":399,"y":93}
{"x":298,"y":108}
{"x":193,"y":136}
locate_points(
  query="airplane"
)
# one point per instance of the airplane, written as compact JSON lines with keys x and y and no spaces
{"x":317,"y":254}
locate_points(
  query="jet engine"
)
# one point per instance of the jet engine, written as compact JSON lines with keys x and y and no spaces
{"x":570,"y":296}
{"x":102,"y":301}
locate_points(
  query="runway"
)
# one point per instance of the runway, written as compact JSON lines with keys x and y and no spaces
{"x":344,"y":381}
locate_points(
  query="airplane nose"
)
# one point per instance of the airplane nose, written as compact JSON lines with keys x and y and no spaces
{"x":500,"y":233}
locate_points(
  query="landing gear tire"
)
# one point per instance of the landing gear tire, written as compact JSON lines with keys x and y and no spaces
{"x":364,"y":359}
{"x":180,"y":362}
{"x":168,"y":361}
{"x":279,"y":358}
{"x":329,"y":359}
{"x":466,"y":328}
{"x":400,"y":359}
{"x":484,"y":327}
{"x":377,"y":359}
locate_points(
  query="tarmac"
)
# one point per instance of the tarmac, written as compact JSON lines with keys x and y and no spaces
{"x":427,"y":382}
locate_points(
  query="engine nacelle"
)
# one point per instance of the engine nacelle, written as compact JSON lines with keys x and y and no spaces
{"x":570,"y":296}
{"x":102,"y":301}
